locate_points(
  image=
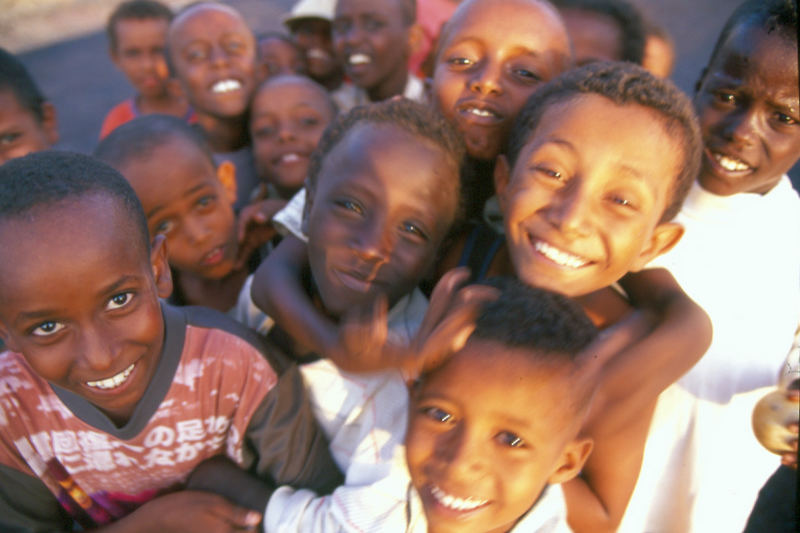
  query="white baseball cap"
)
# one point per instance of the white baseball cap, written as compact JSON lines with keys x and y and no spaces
{"x":304,"y":9}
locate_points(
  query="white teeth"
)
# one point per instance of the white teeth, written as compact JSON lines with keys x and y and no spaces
{"x":290,"y":158}
{"x":454,"y":502}
{"x":226,"y":86}
{"x":114,"y":381}
{"x":359,"y":59}
{"x":317,"y":53}
{"x":481,"y":112}
{"x":558,"y":256}
{"x":730,"y":164}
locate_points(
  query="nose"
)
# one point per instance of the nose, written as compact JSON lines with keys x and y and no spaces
{"x":373,"y":241}
{"x":97,"y":348}
{"x":741,"y":126}
{"x":569,"y":209}
{"x":351,"y":34}
{"x":486,"y":79}
{"x":463,"y":452}
{"x":219,"y":56}
{"x":286,"y":132}
{"x":195,"y":229}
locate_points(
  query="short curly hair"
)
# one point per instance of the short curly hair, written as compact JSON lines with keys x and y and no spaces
{"x":623,"y":84}
{"x":135,"y":10}
{"x":627,"y":17}
{"x":15,"y":77}
{"x":416,"y":119}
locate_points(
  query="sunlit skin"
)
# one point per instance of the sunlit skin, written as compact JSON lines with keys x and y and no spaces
{"x":277,"y":56}
{"x":747,"y":103}
{"x":214,"y":56}
{"x":185,"y":200}
{"x":287,"y":118}
{"x":383,"y":203}
{"x":490,"y":427}
{"x":489,"y":63}
{"x":20,"y":131}
{"x":313,"y":35}
{"x":139,"y":54}
{"x":583,"y":203}
{"x":371,"y":40}
{"x":659,"y":55}
{"x":79,"y":318}
{"x":595,"y":36}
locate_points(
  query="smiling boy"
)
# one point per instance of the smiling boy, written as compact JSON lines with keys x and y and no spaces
{"x":110,"y":398}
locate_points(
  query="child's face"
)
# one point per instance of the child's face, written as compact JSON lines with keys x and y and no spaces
{"x":214,"y":56}
{"x":190,"y":203}
{"x":20,"y":132}
{"x":489,"y":65}
{"x":383,"y":202}
{"x":279,"y":57}
{"x":748,"y":108}
{"x":583,"y":202}
{"x":371,"y":40}
{"x":314,"y":36}
{"x":88,"y":322}
{"x":595,"y":36}
{"x":140,"y":54}
{"x":483,"y":442}
{"x":287,"y":119}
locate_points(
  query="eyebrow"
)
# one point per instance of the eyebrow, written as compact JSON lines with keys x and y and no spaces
{"x":189,"y":192}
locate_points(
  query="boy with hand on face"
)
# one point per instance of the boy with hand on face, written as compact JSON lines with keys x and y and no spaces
{"x":137,"y":34}
{"x":111,"y":398}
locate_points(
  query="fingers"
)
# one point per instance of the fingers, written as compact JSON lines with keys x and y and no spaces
{"x":441,"y":297}
{"x":613,"y":340}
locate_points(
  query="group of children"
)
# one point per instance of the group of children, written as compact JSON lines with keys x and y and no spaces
{"x":316,"y":191}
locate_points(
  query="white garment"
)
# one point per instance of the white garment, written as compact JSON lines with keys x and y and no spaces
{"x":740,"y":260}
{"x":248,"y":313}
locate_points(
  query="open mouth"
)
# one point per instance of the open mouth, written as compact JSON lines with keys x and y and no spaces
{"x":480,"y":113}
{"x":113,"y":382}
{"x":359,"y":59}
{"x":559,"y":257}
{"x":318,"y":54}
{"x":226,"y":86}
{"x":289,"y":158}
{"x":456,"y":503}
{"x":214,"y":257}
{"x":729,"y":163}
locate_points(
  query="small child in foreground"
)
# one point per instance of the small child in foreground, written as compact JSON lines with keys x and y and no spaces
{"x":190,"y":202}
{"x":111,"y":398}
{"x":27,"y":120}
{"x":137,"y":34}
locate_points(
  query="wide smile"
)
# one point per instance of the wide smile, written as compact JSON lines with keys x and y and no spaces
{"x":114,"y":381}
{"x":359,"y":59}
{"x":726,"y":163}
{"x":480,"y":113}
{"x":318,"y":54}
{"x":456,"y":503}
{"x":226,"y":86}
{"x":289,"y":158}
{"x":559,"y":257}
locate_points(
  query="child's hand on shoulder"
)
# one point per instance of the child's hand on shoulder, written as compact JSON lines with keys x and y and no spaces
{"x":255,"y":227}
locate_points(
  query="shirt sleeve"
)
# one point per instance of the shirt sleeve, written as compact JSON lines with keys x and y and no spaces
{"x":286,"y":444}
{"x":27,"y":505}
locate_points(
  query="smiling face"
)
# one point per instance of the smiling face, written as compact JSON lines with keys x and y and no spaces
{"x":139,"y":54}
{"x":214,"y":56}
{"x":313,"y":35}
{"x":90,"y":322}
{"x":583,"y":202}
{"x":382,"y":204}
{"x":371,"y":41}
{"x":189,"y":203}
{"x":491,"y":62}
{"x":277,"y":56}
{"x":487,"y":431}
{"x":287,"y":119}
{"x":20,"y":132}
{"x":747,"y":103}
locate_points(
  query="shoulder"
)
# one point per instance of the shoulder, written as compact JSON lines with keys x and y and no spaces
{"x":119,"y":115}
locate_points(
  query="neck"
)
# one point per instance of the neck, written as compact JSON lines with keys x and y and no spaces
{"x":224,"y":134}
{"x":165,"y":103}
{"x":392,"y":86}
{"x":332,"y":81}
{"x":220,"y":294}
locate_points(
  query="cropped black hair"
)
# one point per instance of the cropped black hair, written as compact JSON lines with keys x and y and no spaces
{"x":773,"y":16}
{"x":138,"y":10}
{"x":16,"y":78}
{"x":627,"y":17}
{"x":138,"y":138}
{"x":623,"y":84}
{"x":416,"y":119}
{"x":51,"y":177}
{"x":324,"y":93}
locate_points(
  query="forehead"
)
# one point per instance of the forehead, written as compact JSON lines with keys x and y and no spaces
{"x":759,"y":59}
{"x":11,"y":109}
{"x":168,"y":171}
{"x":282,"y":94}
{"x":361,"y":7}
{"x":141,"y":28}
{"x":524,"y":24}
{"x":206,"y":21}
{"x":80,"y":237}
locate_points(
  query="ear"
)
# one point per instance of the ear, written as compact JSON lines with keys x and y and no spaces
{"x":502,"y":176}
{"x":572,"y":460}
{"x":664,"y":237}
{"x":307,"y":207}
{"x":50,"y":122}
{"x":226,"y":174}
{"x":160,"y":266}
